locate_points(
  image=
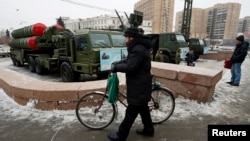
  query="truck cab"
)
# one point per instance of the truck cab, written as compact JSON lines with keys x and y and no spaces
{"x":165,"y":47}
{"x":198,"y":46}
{"x":89,"y":47}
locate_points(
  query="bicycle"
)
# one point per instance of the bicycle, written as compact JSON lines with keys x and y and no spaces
{"x":95,"y":112}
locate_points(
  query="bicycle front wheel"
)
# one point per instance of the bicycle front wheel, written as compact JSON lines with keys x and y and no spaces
{"x":94,"y":111}
{"x":162,"y":105}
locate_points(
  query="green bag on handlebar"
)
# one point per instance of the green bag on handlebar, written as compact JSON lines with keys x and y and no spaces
{"x":113,"y":88}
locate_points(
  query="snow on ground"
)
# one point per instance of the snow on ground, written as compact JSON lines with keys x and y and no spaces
{"x":225,"y":102}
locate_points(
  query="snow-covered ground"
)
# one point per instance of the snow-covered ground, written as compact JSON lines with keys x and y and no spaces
{"x":228,"y":101}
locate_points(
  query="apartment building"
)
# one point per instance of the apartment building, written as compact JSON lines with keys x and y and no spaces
{"x":246,"y":24}
{"x":240,"y":25}
{"x":178,"y":21}
{"x":246,"y":27}
{"x":222,"y":22}
{"x":197,"y":26}
{"x":161,"y":12}
{"x":217,"y":22}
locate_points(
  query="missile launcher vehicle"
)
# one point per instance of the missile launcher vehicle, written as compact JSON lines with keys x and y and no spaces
{"x":55,"y":48}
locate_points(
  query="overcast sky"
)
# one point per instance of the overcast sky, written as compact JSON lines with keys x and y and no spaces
{"x":19,"y":13}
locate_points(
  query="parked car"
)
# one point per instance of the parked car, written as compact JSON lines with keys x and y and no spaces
{"x":4,"y":52}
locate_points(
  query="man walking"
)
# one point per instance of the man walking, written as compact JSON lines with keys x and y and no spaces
{"x":237,"y":59}
{"x":137,"y":67}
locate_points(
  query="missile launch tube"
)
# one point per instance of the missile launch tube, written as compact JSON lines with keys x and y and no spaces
{"x":29,"y":31}
{"x":26,"y":43}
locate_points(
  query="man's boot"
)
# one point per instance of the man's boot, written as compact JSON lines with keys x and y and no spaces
{"x":146,"y":132}
{"x":114,"y":137}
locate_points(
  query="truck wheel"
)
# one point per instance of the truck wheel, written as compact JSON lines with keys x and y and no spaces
{"x":76,"y":76}
{"x":13,"y":59}
{"x":166,"y":58}
{"x":31,"y":63}
{"x":38,"y":67}
{"x":67,"y":72}
{"x":18,"y":63}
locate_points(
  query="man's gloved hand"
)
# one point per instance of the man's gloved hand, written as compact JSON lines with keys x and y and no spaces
{"x":116,"y":62}
{"x":113,"y":69}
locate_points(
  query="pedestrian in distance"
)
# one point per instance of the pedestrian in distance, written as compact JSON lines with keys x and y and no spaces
{"x":239,"y":55}
{"x":137,"y":67}
{"x":190,"y":58}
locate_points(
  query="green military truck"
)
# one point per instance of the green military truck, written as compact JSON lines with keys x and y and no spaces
{"x":165,"y":47}
{"x":56,"y":48}
{"x":199,"y":47}
{"x":171,"y":47}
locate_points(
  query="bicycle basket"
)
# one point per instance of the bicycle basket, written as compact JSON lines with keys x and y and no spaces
{"x":113,"y":88}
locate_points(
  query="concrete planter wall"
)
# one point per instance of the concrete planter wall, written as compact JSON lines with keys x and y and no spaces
{"x":190,"y":82}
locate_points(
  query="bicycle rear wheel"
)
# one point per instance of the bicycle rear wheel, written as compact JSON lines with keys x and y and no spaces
{"x":162,"y":105}
{"x":94,"y":111}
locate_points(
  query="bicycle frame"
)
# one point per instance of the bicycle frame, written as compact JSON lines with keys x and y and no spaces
{"x":122,"y":96}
